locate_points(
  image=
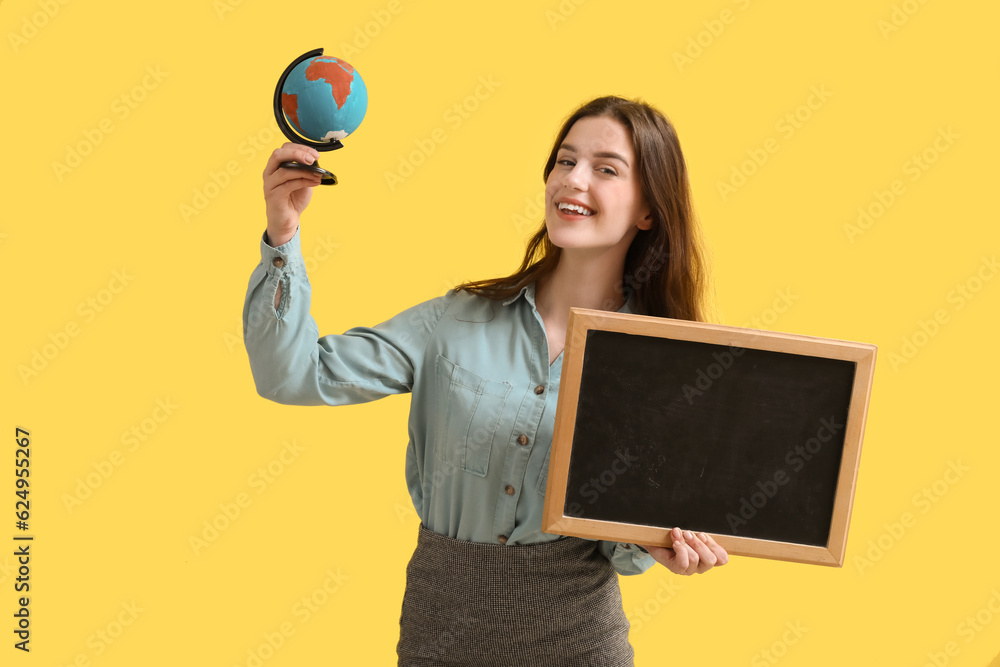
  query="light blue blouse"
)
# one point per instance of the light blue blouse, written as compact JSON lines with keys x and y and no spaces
{"x":483,"y":405}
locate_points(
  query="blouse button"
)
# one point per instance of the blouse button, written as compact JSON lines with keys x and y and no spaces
{"x":509,"y":489}
{"x":522,"y":439}
{"x":502,"y":539}
{"x":539,"y":389}
{"x":278,"y":262}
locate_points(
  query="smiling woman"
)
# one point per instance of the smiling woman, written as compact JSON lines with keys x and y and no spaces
{"x":627,"y":153}
{"x":486,"y":585}
{"x":594,"y":182}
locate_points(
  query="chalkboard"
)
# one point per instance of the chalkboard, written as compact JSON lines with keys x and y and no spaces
{"x":751,"y":436}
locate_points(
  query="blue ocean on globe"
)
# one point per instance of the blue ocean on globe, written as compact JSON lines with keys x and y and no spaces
{"x":324,"y":98}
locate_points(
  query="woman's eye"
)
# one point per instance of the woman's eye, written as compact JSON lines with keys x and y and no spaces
{"x":568,"y":162}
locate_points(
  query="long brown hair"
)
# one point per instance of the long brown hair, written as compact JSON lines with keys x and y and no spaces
{"x":664,"y":265}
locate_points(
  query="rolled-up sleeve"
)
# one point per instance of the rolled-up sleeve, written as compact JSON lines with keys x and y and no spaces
{"x":293,"y":365}
{"x":627,"y":559}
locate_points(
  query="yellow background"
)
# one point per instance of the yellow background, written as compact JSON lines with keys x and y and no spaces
{"x":895,"y":74}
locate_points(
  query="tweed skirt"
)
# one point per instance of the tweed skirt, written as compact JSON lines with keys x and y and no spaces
{"x":552,"y":604}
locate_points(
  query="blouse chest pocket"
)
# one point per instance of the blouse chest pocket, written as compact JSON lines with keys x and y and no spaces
{"x":470,"y":417}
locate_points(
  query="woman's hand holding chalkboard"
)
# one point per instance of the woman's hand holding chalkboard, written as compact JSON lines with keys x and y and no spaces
{"x":691,"y":553}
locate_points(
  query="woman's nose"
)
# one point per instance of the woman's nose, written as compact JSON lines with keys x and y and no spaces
{"x":575,"y":179}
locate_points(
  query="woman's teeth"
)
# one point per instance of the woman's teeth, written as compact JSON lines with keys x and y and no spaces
{"x":575,"y":209}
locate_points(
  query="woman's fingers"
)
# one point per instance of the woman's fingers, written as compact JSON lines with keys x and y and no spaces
{"x":706,"y":557}
{"x":721,"y":555}
{"x":282,"y":190}
{"x":689,"y":553}
{"x":289,"y":152}
{"x":287,"y":191}
{"x":688,"y":557}
{"x":710,"y":554}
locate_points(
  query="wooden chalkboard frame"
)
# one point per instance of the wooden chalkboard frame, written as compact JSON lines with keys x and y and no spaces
{"x":556,"y":520}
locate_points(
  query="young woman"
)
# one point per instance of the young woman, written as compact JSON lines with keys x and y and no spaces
{"x":485,"y":586}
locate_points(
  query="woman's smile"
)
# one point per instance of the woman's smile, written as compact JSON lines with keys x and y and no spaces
{"x":573,"y":209}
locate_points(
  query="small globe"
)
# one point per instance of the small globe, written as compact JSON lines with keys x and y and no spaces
{"x":324,"y":99}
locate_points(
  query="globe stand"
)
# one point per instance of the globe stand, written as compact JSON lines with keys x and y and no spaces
{"x":328,"y":178}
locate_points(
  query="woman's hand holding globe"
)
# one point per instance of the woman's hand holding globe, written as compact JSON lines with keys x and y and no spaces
{"x":319,"y":100}
{"x":287,"y":191}
{"x":325,"y":99}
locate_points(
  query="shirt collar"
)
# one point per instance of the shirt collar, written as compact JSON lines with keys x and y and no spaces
{"x":528,"y":292}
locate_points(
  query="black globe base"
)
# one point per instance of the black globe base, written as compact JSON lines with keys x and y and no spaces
{"x":328,"y":176}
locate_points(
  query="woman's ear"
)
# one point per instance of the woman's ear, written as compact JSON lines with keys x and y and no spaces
{"x":645,"y":222}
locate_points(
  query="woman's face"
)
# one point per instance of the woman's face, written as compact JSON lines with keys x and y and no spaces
{"x":595,"y":169}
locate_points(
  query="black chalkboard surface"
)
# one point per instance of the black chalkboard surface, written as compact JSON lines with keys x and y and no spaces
{"x":753,"y":437}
